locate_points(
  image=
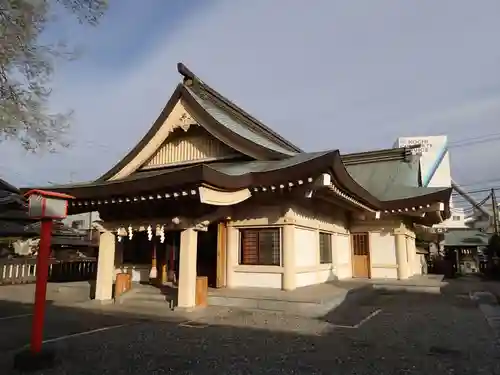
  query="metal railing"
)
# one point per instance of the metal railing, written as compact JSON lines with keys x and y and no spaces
{"x":23,"y":270}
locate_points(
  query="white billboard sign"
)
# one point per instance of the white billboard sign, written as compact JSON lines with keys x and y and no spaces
{"x":434,"y":159}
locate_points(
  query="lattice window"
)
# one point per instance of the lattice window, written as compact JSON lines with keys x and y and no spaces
{"x":260,"y":247}
{"x":325,"y":248}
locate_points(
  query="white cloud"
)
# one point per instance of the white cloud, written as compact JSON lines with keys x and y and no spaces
{"x":333,"y":75}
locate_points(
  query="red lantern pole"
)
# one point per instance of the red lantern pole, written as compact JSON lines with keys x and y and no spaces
{"x":42,"y":273}
{"x":45,"y":206}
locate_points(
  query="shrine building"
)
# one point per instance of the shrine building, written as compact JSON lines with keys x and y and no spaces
{"x":212,"y":191}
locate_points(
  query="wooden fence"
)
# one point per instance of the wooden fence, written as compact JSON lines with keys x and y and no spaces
{"x":23,"y":271}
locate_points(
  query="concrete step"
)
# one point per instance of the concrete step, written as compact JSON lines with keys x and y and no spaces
{"x":141,"y":295}
{"x":301,"y":308}
{"x":148,"y":297}
{"x":147,"y":304}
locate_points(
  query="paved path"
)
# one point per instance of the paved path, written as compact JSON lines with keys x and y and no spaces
{"x":408,"y":334}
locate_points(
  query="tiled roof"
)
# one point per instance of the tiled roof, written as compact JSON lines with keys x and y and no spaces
{"x":242,"y":168}
{"x":13,"y":212}
{"x":389,"y":180}
{"x":390,"y":174}
{"x":15,"y":229}
{"x":466,"y":237}
{"x":233,"y":121}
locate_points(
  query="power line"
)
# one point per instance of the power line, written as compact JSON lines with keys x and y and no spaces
{"x":474,"y":142}
{"x":485,"y":190}
{"x":484,"y":137}
{"x":497,"y":179}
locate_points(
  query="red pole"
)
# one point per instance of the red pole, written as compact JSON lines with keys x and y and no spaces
{"x":42,"y":273}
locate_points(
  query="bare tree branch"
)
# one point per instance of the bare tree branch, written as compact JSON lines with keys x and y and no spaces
{"x":27,"y":66}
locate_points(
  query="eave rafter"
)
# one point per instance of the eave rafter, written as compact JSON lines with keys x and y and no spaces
{"x":418,"y":210}
{"x":325,"y":183}
{"x":95,"y":203}
{"x":203,"y":192}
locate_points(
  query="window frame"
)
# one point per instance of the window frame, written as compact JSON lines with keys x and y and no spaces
{"x":258,"y":231}
{"x":330,"y":245}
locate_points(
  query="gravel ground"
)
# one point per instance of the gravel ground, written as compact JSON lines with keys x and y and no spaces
{"x":413,"y":334}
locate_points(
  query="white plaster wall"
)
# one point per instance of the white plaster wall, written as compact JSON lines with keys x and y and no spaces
{"x":327,"y":274}
{"x":306,"y":248}
{"x":417,"y":261}
{"x":257,"y":279}
{"x":412,"y":256}
{"x":383,"y":255}
{"x":306,"y":278}
{"x":422,"y":266}
{"x":306,"y":243}
{"x":316,"y":275}
{"x":328,"y":219}
{"x":342,"y":256}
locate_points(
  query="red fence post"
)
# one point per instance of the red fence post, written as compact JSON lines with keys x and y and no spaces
{"x":42,"y":267}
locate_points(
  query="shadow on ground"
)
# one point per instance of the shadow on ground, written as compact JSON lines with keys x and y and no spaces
{"x":361,"y":304}
{"x":412,"y":334}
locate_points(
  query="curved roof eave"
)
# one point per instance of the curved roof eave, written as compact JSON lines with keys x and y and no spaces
{"x":347,"y":183}
{"x":277,"y":172}
{"x":443,"y":196}
{"x":147,"y":137}
{"x":269,"y":174}
{"x":350,"y":185}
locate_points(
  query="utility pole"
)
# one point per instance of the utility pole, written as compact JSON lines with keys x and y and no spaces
{"x":495,"y":211}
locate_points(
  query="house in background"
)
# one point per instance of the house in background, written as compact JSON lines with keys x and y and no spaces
{"x":85,"y":224}
{"x":212,"y":191}
{"x":465,"y":249}
{"x":14,"y":218}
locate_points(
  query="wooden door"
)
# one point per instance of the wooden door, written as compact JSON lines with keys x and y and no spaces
{"x":221,"y":255}
{"x":360,"y":255}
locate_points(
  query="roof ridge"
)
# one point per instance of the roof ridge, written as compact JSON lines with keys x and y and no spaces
{"x":387,"y":154}
{"x":190,"y":77}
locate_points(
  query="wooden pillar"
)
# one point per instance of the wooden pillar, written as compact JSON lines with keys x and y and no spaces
{"x":288,"y":250}
{"x":187,"y":269}
{"x":221,"y":255}
{"x":105,"y":267}
{"x":401,"y":255}
{"x":411,"y":255}
{"x":232,"y":248}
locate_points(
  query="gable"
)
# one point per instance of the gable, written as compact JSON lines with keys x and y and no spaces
{"x":177,"y":140}
{"x":189,"y":145}
{"x":195,"y":104}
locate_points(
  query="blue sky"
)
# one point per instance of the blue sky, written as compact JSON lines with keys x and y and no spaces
{"x":352,"y":75}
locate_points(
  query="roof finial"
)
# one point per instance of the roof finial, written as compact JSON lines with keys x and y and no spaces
{"x":184,"y":71}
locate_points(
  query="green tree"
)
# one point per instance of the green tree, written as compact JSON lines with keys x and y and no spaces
{"x":27,"y":66}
